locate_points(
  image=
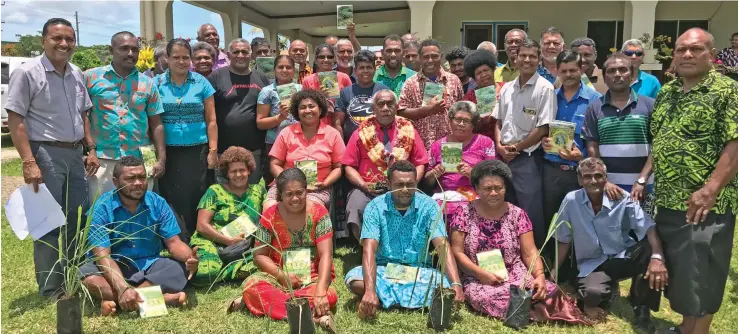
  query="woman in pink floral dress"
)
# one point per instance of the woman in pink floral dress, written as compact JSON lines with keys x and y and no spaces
{"x":490,"y":223}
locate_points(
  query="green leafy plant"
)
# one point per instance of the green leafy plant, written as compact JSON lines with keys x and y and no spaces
{"x":664,"y":51}
{"x":86,"y":59}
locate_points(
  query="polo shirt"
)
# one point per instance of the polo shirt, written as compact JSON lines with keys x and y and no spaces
{"x":573,"y":111}
{"x":396,"y":83}
{"x":646,"y":85}
{"x":506,"y":73}
{"x":600,"y":236}
{"x":184,"y":109}
{"x":51,"y":104}
{"x":326,"y":148}
{"x":596,"y":81}
{"x":136,"y":237}
{"x":119,"y":119}
{"x":623,"y":136}
{"x":521,"y":109}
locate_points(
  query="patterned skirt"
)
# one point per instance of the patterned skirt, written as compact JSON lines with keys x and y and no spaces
{"x":263,"y":295}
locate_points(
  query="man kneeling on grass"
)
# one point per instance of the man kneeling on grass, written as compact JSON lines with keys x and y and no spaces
{"x":128,"y":229}
{"x":394,"y":236}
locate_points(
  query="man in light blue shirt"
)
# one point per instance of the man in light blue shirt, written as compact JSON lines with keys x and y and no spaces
{"x":613,"y":240}
{"x":643,"y":83}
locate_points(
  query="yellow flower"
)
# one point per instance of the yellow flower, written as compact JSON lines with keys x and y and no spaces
{"x":613,"y":50}
{"x":146,"y":59}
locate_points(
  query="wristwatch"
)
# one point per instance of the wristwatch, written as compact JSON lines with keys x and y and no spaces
{"x":657,"y":257}
{"x":641,"y":181}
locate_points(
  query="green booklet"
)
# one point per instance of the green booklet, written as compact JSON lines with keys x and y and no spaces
{"x":329,"y":80}
{"x":296,"y":78}
{"x":148,"y":154}
{"x":297,"y":261}
{"x":431,"y":90}
{"x":400,"y":273}
{"x":241,"y":225}
{"x":310,"y":168}
{"x":451,"y":156}
{"x":266,"y":66}
{"x":492,"y":262}
{"x":486,"y":99}
{"x":153,"y":304}
{"x":285,"y":93}
{"x":562,"y":135}
{"x":344,"y":16}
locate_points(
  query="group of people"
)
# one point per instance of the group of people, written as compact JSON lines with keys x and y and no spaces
{"x":645,"y":190}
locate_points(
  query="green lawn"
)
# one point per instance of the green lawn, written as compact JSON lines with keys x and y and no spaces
{"x":24,"y":312}
{"x":12,"y":167}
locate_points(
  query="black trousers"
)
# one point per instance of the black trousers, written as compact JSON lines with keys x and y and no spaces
{"x":595,"y":289}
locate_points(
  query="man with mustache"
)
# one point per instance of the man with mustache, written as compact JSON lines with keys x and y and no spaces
{"x":592,"y":75}
{"x":509,"y":71}
{"x":643,"y":83}
{"x":130,"y":227}
{"x":411,"y":55}
{"x":695,"y":144}
{"x":552,"y":43}
{"x":393,"y":73}
{"x":126,"y":113}
{"x":298,"y":52}
{"x":207,"y":33}
{"x":47,"y":115}
{"x":345,"y":51}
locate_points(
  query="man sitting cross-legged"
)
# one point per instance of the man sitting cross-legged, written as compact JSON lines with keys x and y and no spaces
{"x":613,"y":240}
{"x":395,"y":231}
{"x":128,"y":229}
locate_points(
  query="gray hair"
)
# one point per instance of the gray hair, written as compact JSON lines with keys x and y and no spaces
{"x":525,"y":34}
{"x":591,"y":162}
{"x":161,"y":50}
{"x":204,"y":46}
{"x":394,"y":97}
{"x":344,"y":41}
{"x":199,"y":30}
{"x":464,"y":106}
{"x":586,"y":41}
{"x":487,"y":45}
{"x":632,"y":42}
{"x":238,"y":40}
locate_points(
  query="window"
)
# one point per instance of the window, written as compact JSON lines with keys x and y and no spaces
{"x":5,"y":73}
{"x":473,"y":33}
{"x":674,"y":28}
{"x":607,"y":35}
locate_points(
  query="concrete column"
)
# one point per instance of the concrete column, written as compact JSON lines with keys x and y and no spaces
{"x":642,"y":19}
{"x":627,"y":19}
{"x":232,"y":23}
{"x":271,"y":35}
{"x":163,"y":18}
{"x":421,"y":18}
{"x":147,"y":19}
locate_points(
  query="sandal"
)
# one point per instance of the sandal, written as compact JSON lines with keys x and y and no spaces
{"x":235,"y":305}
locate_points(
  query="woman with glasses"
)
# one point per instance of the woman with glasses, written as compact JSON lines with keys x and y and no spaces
{"x":325,"y":61}
{"x":459,"y":152}
{"x":190,"y":133}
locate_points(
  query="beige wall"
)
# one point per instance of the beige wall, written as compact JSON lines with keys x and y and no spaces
{"x":571,"y":16}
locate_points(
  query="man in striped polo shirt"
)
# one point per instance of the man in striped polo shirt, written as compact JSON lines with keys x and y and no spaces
{"x":616,"y":129}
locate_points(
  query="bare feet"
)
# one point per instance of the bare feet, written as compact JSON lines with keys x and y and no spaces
{"x":175,"y":299}
{"x":108,"y":308}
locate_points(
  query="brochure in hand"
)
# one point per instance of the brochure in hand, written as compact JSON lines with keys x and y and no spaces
{"x":241,"y":225}
{"x":344,"y":16}
{"x":400,"y":273}
{"x":266,"y":65}
{"x":562,"y":135}
{"x":153,"y":304}
{"x":310,"y":168}
{"x":451,"y":156}
{"x":285,"y":93}
{"x":297,"y":261}
{"x":492,"y":262}
{"x":431,"y":90}
{"x":148,"y":154}
{"x":329,"y":81}
{"x":486,"y":99}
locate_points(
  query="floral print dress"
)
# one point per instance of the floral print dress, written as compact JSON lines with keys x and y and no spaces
{"x":482,"y":235}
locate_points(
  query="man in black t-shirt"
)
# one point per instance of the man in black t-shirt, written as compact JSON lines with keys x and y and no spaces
{"x":355,"y":103}
{"x":236,"y":91}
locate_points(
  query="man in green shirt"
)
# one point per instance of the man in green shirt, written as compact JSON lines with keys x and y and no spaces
{"x":393,"y":73}
{"x":695,"y":143}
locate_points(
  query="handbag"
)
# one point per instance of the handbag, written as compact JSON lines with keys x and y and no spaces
{"x":235,"y":252}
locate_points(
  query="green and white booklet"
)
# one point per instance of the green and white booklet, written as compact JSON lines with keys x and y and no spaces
{"x":266,"y":66}
{"x":451,"y":156}
{"x":486,"y":99}
{"x":310,"y":168}
{"x":344,"y":16}
{"x":562,"y":136}
{"x":329,"y":81}
{"x":153,"y":304}
{"x":285,"y":93}
{"x":297,"y":261}
{"x":241,"y":225}
{"x":492,"y":262}
{"x":400,"y":273}
{"x":148,"y":154}
{"x":431,"y":90}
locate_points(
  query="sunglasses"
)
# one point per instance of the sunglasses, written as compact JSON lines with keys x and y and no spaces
{"x":630,"y":53}
{"x":325,"y":57}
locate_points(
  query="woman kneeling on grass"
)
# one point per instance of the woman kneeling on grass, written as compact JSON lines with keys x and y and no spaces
{"x":222,"y":257}
{"x":296,"y":228}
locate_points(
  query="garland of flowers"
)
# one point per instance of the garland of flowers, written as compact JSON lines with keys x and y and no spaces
{"x":377,"y":152}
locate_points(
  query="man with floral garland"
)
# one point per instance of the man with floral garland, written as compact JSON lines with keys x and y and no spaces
{"x":379,"y":141}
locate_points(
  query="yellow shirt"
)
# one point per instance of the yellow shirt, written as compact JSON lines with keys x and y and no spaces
{"x":506,"y":73}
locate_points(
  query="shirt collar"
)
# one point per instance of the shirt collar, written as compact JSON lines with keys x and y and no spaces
{"x":633,"y":97}
{"x":508,"y":67}
{"x":110,"y":69}
{"x":441,"y":77}
{"x":382,"y":71}
{"x":379,"y":126}
{"x":530,"y":82}
{"x":606,"y":203}
{"x":50,"y":67}
{"x":703,"y":85}
{"x":116,"y":203}
{"x":168,"y":79}
{"x":391,"y":204}
{"x":583,"y":92}
{"x":297,"y":129}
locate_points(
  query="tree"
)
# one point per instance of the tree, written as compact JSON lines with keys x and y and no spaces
{"x":10,"y":50}
{"x":29,"y":45}
{"x":86,"y":59}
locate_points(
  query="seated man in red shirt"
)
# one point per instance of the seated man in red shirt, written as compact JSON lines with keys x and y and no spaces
{"x":380,"y":140}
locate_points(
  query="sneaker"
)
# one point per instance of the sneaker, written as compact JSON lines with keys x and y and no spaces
{"x":643,"y":318}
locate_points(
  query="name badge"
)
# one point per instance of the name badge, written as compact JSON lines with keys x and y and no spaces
{"x":529,"y":111}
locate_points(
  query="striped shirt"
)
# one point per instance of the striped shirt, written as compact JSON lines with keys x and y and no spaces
{"x":623,"y":136}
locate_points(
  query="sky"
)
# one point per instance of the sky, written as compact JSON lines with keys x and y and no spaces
{"x":100,"y":19}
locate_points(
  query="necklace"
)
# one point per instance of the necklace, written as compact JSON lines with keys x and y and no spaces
{"x":179,"y":91}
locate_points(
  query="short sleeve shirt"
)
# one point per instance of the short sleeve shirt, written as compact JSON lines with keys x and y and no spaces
{"x":521,"y":109}
{"x":132,"y":236}
{"x":326,"y":148}
{"x":690,"y":131}
{"x":184,"y":109}
{"x":646,"y":85}
{"x":356,"y":102}
{"x":478,"y":149}
{"x":403,"y":237}
{"x":506,"y":73}
{"x":396,"y":83}
{"x":269,"y":96}
{"x":51,"y":103}
{"x":119,"y":119}
{"x":573,"y":111}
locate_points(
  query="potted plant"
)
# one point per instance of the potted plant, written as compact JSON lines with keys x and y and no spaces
{"x":649,"y":53}
{"x":439,"y":315}
{"x":664,"y":54}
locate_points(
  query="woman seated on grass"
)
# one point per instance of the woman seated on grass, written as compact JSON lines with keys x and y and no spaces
{"x":455,"y":187}
{"x":295,"y":224}
{"x":222,"y":256}
{"x":309,"y":139}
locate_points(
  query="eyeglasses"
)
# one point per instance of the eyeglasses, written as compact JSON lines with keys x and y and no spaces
{"x":461,"y":121}
{"x":329,"y":57}
{"x":630,"y":53}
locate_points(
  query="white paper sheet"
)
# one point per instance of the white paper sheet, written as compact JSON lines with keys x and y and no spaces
{"x":33,"y":213}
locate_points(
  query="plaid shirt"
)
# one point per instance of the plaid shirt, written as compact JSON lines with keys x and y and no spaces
{"x":436,"y":126}
{"x":119,"y":120}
